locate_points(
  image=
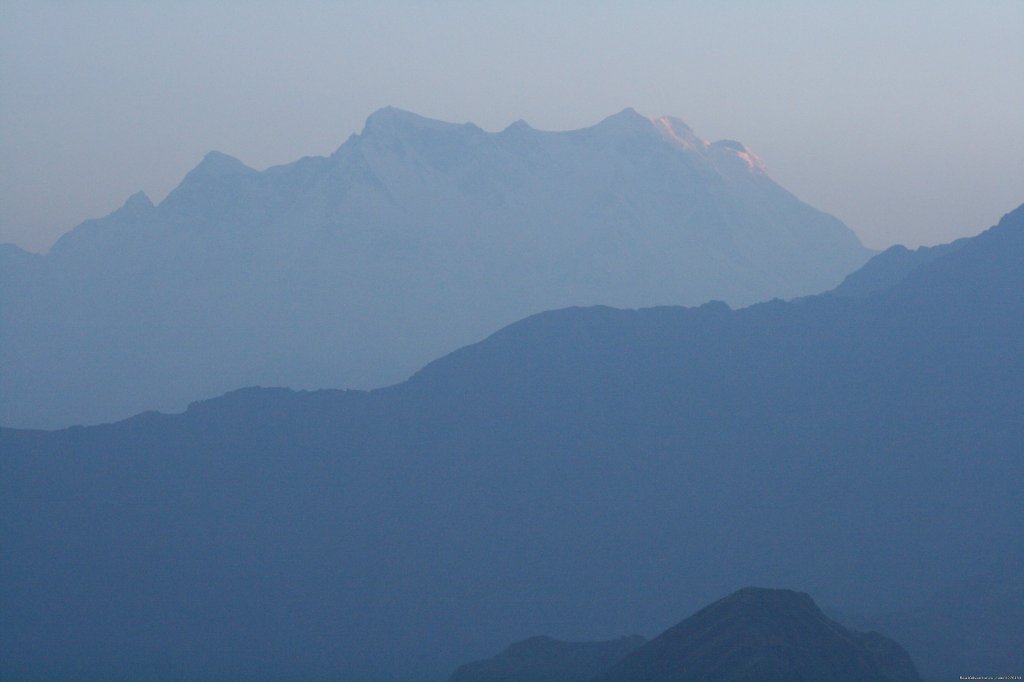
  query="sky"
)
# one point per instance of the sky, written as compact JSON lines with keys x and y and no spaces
{"x":903,"y":119}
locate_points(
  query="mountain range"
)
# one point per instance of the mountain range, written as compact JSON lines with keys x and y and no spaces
{"x":414,"y":238}
{"x":752,"y":635}
{"x":583,"y":472}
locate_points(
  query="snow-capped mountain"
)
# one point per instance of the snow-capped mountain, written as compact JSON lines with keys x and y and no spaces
{"x":415,"y":237}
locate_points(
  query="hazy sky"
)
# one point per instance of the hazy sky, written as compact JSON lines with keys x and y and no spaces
{"x":906,"y":120}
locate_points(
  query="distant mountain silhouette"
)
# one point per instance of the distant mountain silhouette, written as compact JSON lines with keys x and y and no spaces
{"x":890,"y":267}
{"x":616,"y":465}
{"x":543,"y":659}
{"x":414,"y":238}
{"x":760,"y":635}
{"x":753,"y":635}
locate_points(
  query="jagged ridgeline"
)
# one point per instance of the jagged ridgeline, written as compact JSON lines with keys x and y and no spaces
{"x":414,"y":238}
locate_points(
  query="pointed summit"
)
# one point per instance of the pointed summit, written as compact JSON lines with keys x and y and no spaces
{"x":627,"y":120}
{"x":204,"y":192}
{"x":517,"y":126}
{"x":763,"y":635}
{"x":215,"y":166}
{"x":218,"y":164}
{"x":136,"y":206}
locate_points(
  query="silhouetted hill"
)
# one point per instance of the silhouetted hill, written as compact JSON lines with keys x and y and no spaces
{"x":759,"y":635}
{"x":414,"y":238}
{"x":543,"y":659}
{"x":617,"y":465}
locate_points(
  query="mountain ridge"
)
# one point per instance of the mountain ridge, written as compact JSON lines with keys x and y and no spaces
{"x":753,"y":634}
{"x":763,"y":635}
{"x":413,"y":238}
{"x":862,"y":448}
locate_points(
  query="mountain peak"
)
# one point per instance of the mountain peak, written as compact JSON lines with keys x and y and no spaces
{"x":764,"y":634}
{"x":516,"y":126}
{"x":203,"y":186}
{"x":627,"y":120}
{"x":218,"y":164}
{"x":135,"y":207}
{"x":390,"y":115}
{"x":756,"y":597}
{"x":139,"y":200}
{"x":392,"y":120}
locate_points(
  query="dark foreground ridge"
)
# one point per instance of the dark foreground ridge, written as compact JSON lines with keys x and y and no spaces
{"x":753,"y":635}
{"x":763,"y":635}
